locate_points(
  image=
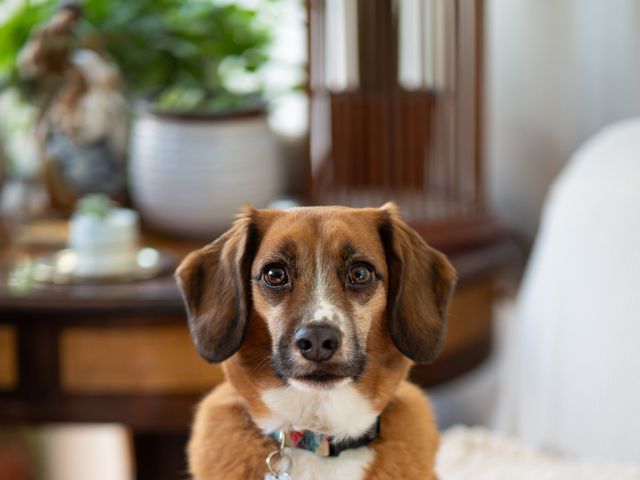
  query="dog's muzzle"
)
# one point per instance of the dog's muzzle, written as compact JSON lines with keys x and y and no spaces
{"x":315,"y":354}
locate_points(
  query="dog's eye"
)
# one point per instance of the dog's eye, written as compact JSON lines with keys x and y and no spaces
{"x":360,"y":274}
{"x":275,"y":276}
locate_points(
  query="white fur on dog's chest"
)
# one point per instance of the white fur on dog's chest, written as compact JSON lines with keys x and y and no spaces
{"x":341,"y":412}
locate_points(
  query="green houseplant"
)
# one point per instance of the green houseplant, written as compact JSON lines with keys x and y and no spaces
{"x":199,"y":143}
{"x":181,"y":54}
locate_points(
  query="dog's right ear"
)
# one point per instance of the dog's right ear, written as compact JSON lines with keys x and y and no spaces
{"x":215,"y":285}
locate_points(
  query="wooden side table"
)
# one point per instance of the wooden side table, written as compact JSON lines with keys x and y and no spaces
{"x":122,"y":353}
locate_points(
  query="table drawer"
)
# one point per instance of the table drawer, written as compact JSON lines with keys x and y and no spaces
{"x":132,"y":360}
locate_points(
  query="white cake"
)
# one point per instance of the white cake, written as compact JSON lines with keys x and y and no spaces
{"x":104,"y":245}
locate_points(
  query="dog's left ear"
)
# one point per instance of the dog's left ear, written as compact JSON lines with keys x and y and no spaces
{"x":420,"y":285}
{"x":215,"y":285}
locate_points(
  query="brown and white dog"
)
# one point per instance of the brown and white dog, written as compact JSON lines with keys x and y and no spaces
{"x":317,"y":314}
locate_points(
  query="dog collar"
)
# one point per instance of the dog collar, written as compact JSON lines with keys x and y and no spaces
{"x":323,"y":445}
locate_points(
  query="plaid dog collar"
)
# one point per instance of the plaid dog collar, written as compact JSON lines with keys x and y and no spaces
{"x":324,"y":445}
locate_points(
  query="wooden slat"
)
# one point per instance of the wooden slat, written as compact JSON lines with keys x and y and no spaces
{"x":420,"y":147}
{"x":8,"y":362}
{"x":470,"y":317}
{"x":131,"y":360}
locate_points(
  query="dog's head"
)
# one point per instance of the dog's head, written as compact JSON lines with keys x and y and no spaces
{"x":332,"y":287}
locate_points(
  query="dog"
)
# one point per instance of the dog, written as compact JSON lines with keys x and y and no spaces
{"x":317,"y":314}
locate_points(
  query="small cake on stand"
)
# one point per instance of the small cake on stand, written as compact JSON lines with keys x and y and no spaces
{"x":104,"y":246}
{"x":105,"y":239}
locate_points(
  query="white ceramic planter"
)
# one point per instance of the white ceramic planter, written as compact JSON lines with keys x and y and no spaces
{"x":189,"y":176}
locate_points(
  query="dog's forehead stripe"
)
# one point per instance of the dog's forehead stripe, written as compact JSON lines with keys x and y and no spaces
{"x":325,"y":308}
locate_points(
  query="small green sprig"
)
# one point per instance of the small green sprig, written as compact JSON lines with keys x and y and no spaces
{"x":96,"y":205}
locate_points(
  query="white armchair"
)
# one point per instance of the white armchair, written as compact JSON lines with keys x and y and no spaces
{"x":572,"y":369}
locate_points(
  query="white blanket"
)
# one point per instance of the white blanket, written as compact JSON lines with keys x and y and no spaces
{"x":477,"y":454}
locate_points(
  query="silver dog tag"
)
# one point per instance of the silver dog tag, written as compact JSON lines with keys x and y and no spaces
{"x":282,"y":476}
{"x":285,"y":459}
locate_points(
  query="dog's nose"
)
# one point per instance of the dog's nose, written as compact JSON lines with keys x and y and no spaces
{"x":317,"y":342}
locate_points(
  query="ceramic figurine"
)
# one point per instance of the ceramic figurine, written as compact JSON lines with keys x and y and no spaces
{"x":83,"y":117}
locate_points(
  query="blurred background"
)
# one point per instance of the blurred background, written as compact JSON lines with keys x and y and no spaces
{"x":132,"y":131}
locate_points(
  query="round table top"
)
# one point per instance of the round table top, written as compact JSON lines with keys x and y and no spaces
{"x":20,"y":291}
